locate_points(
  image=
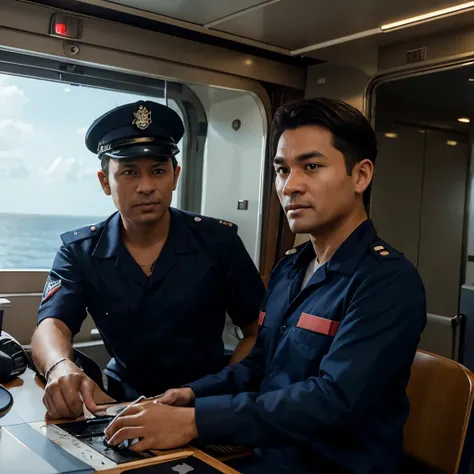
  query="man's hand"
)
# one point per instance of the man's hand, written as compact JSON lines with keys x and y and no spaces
{"x":181,"y":397}
{"x":66,"y":389}
{"x":157,"y":426}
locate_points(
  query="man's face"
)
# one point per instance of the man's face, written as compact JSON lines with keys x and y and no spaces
{"x":312,"y":181}
{"x":141,"y":188}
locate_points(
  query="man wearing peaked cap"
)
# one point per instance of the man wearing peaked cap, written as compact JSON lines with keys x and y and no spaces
{"x":140,"y":129}
{"x":157,"y":281}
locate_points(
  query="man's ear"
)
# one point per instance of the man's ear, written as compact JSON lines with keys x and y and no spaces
{"x":177,"y":172}
{"x":363,"y":173}
{"x":104,"y":182}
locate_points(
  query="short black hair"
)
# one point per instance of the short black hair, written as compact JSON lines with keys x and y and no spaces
{"x":352,"y":133}
{"x":105,"y":160}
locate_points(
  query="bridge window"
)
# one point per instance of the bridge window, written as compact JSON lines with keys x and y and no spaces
{"x":47,"y":175}
{"x":48,"y":178}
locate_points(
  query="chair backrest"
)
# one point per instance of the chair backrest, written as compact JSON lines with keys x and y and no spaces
{"x":441,"y":394}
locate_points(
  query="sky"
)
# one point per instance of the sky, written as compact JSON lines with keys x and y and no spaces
{"x":45,"y":167}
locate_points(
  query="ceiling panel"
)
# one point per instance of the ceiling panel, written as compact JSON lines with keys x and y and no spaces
{"x":195,"y":11}
{"x":294,"y":24}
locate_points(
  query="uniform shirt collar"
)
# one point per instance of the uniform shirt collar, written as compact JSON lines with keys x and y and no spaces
{"x":347,"y":256}
{"x":180,"y":239}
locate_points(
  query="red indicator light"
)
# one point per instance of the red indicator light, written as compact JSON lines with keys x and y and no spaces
{"x":60,"y":29}
{"x":65,"y":26}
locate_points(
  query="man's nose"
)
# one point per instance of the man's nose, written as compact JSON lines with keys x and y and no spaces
{"x":294,"y":184}
{"x":145,"y":185}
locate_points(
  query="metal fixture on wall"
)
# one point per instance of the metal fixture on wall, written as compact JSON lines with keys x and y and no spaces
{"x":243,"y":205}
{"x":236,"y":124}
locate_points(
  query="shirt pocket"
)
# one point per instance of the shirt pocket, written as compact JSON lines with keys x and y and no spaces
{"x":312,"y":324}
{"x":112,"y":316}
{"x":308,"y":342}
{"x":200,"y":298}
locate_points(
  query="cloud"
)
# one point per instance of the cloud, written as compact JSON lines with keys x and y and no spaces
{"x":67,"y":169}
{"x":12,"y":99}
{"x":13,"y":153}
{"x":16,"y":126}
{"x":54,"y":165}
{"x":13,"y":129}
{"x":13,"y":168}
{"x":86,"y":173}
{"x":12,"y":134}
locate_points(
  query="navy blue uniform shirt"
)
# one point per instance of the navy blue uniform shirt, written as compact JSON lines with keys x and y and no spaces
{"x":166,"y":329}
{"x":323,"y":390}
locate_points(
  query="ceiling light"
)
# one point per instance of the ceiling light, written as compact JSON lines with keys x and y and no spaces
{"x":391,"y":135}
{"x":428,"y":16}
{"x":471,"y":79}
{"x":451,"y":143}
{"x":336,"y":41}
{"x":464,"y":120}
{"x":248,"y":62}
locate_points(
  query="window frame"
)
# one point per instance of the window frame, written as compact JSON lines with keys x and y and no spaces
{"x":195,"y":120}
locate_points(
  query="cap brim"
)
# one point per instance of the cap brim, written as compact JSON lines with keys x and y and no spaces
{"x":157,"y":151}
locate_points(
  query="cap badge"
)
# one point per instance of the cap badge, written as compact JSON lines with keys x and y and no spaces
{"x":142,"y":118}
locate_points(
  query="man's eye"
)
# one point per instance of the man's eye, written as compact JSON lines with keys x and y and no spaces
{"x":313,"y":166}
{"x":281,"y":170}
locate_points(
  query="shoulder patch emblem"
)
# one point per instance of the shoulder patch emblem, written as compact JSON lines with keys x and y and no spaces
{"x":51,"y":287}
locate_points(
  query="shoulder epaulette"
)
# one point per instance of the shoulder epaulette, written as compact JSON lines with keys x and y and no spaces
{"x":82,"y":233}
{"x":212,"y":223}
{"x":384,"y":251}
{"x":296,"y":249}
